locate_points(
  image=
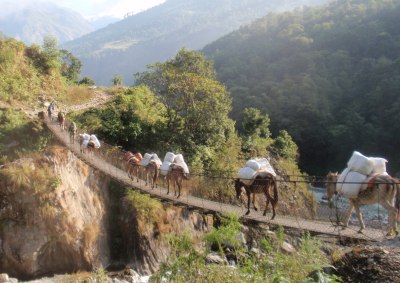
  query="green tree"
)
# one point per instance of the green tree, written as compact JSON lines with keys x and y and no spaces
{"x":70,"y":65}
{"x":284,"y":146}
{"x":255,"y":123}
{"x":197,"y":105}
{"x":117,"y":80}
{"x":51,"y":51}
{"x":87,"y":81}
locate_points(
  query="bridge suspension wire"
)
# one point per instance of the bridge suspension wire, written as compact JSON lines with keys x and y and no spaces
{"x":108,"y":159}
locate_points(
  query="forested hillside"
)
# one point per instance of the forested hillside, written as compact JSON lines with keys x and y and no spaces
{"x":330,"y":76}
{"x":126,"y":47}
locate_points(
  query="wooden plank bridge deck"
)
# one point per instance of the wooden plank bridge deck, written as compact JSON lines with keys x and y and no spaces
{"x":288,"y":222}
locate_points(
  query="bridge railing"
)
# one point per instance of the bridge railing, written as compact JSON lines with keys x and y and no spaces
{"x":218,"y":187}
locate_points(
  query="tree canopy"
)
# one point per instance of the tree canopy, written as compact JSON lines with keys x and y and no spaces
{"x":329,"y":76}
{"x":197,"y":105}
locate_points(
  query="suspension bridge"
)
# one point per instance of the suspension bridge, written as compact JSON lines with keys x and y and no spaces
{"x":108,"y":160}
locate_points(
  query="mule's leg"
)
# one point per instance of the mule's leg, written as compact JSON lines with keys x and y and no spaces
{"x":267,"y":199}
{"x":248,"y":202}
{"x":154,"y":179}
{"x":168,"y":177}
{"x":360,"y":217}
{"x":175,"y":183}
{"x":392,"y":211}
{"x":146,"y":175}
{"x":179,"y":184}
{"x":254,"y":202}
{"x":273,"y":210}
{"x":348,"y":214}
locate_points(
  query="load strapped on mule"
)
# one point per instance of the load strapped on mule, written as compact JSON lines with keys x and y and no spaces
{"x":130,"y":157}
{"x":175,"y":169}
{"x":254,"y":168}
{"x":89,"y":141}
{"x":359,"y":170}
{"x":258,"y":177}
{"x":148,"y":157}
{"x":365,"y":181}
{"x":176,"y":159}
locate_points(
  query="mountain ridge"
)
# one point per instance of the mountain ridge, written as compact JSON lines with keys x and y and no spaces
{"x":156,"y":34}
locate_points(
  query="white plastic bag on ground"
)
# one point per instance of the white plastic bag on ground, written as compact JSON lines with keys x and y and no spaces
{"x":360,"y":163}
{"x":379,"y":165}
{"x":246,"y":175}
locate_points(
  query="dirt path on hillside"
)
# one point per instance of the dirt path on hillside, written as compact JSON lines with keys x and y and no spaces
{"x":99,"y":98}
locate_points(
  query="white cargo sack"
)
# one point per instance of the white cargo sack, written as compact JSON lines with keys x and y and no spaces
{"x":178,"y":160}
{"x":146,"y":159}
{"x":349,"y":183}
{"x":95,"y":140}
{"x":85,"y":139}
{"x":253,"y":164}
{"x":169,"y":157}
{"x":154,"y":157}
{"x":247,"y":175}
{"x":266,"y":166}
{"x":260,"y":164}
{"x":379,"y":165}
{"x":360,"y":163}
{"x":164,"y":169}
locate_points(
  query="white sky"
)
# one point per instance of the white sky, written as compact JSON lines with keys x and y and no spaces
{"x":98,"y":8}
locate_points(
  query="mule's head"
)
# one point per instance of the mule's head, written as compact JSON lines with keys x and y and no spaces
{"x":331,"y":180}
{"x":238,"y":188}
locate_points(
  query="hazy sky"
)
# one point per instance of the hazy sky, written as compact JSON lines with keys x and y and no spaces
{"x":97,"y":8}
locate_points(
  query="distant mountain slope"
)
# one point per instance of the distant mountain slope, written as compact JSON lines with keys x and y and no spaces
{"x":330,"y":76}
{"x":30,"y":24}
{"x":157,"y":34}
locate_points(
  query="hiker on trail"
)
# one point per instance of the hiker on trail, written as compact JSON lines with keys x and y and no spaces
{"x":72,"y":132}
{"x":50,"y":110}
{"x":61,"y":120}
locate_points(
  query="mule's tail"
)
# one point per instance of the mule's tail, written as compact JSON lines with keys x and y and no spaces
{"x":275,"y":197}
{"x":397,"y":199}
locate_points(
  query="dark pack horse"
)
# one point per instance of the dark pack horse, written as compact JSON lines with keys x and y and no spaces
{"x":266,"y":184}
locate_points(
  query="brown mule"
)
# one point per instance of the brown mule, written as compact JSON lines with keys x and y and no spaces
{"x":260,"y":185}
{"x":151,"y":170}
{"x":381,"y":189}
{"x":176,"y":174}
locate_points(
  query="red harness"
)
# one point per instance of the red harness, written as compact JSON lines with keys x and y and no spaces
{"x":371,"y":183}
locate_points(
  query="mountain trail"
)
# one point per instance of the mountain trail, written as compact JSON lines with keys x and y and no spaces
{"x":99,"y":98}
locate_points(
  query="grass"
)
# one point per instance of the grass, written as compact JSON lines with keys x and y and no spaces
{"x":188,"y":264}
{"x":146,"y":209}
{"x":75,"y":94}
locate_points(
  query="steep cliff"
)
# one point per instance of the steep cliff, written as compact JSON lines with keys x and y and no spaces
{"x":52,"y":216}
{"x":58,"y":215}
